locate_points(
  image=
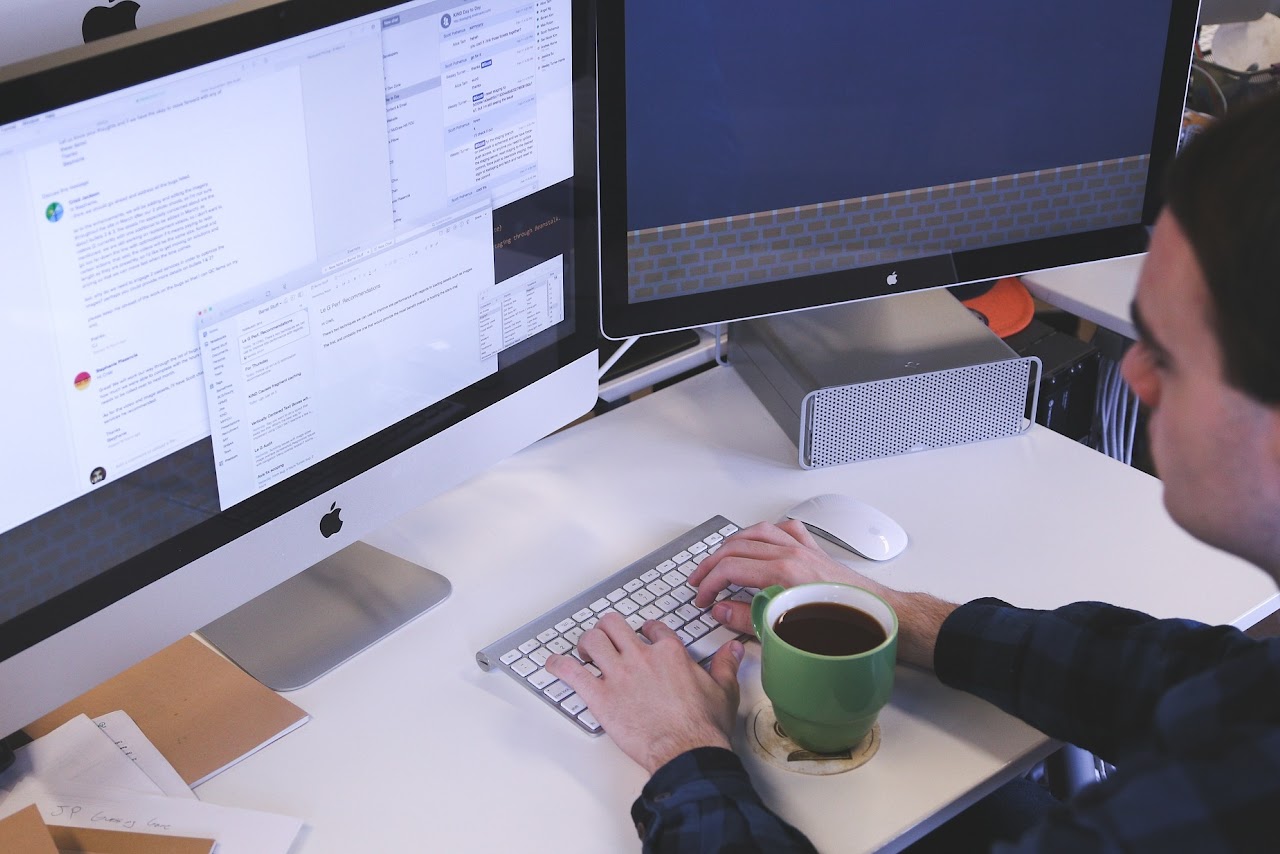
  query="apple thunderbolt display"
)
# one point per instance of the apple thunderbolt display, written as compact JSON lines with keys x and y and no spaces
{"x":776,"y":159}
{"x":272,"y":281}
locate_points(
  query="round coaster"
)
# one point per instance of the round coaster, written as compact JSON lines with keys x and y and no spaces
{"x":770,"y":743}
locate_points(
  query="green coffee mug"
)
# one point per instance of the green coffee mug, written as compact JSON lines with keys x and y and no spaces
{"x":825,"y":702}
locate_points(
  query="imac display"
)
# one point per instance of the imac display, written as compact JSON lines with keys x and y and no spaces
{"x":270,"y":282}
{"x":776,"y":159}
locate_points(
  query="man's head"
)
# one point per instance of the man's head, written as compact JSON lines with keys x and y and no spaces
{"x":1208,"y":358}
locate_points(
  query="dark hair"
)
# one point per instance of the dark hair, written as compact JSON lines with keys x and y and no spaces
{"x":1224,"y":191}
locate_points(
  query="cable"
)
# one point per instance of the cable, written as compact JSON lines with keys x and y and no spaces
{"x":722,"y":358}
{"x":617,"y":354}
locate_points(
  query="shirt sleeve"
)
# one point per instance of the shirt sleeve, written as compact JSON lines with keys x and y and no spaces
{"x":703,"y":801}
{"x":1089,"y":674}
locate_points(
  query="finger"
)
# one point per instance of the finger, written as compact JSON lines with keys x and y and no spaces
{"x":570,"y":672}
{"x":618,"y":632}
{"x":734,"y":615}
{"x":724,"y":665}
{"x":759,"y":531}
{"x":800,"y":532}
{"x":596,"y":645}
{"x":656,"y":631}
{"x":737,"y":569}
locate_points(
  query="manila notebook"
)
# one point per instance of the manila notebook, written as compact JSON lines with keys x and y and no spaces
{"x":201,"y":711}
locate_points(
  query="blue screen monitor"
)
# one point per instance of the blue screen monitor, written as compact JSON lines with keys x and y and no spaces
{"x":759,"y":158}
{"x":270,"y":282}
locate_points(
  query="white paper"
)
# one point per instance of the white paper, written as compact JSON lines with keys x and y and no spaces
{"x":78,"y":777}
{"x":237,"y":831}
{"x":134,"y":744}
{"x":77,"y":753}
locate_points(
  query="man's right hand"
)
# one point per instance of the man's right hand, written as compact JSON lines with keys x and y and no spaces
{"x":760,"y":556}
{"x":787,"y":554}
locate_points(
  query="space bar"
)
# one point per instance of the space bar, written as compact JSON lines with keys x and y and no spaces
{"x":710,"y":642}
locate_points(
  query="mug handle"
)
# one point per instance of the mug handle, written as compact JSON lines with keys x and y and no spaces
{"x":759,"y":604}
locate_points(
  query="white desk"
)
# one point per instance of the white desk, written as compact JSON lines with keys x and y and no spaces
{"x":1099,"y":291}
{"x":413,"y":747}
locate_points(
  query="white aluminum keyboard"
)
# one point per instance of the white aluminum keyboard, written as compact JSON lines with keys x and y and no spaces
{"x":652,"y":588}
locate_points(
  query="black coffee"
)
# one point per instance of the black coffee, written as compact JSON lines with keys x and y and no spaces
{"x":829,"y":628}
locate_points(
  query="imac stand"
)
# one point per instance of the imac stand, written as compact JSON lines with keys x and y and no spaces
{"x":309,"y":624}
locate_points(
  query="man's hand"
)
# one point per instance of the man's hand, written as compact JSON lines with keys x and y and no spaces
{"x":651,"y":698}
{"x":788,"y":555}
{"x":760,"y":556}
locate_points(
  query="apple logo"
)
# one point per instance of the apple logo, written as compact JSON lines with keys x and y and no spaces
{"x":331,"y":522}
{"x":891,"y":279}
{"x":102,"y":21}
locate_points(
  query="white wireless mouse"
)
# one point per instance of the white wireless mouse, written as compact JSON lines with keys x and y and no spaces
{"x":851,"y":524}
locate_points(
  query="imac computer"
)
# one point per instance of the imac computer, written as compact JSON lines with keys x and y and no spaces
{"x":270,"y":282}
{"x":778,"y":158}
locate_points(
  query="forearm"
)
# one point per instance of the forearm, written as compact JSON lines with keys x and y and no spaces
{"x":1087,"y":673}
{"x":920,"y":618}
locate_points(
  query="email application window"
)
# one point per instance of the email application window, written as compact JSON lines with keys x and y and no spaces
{"x":345,"y":168}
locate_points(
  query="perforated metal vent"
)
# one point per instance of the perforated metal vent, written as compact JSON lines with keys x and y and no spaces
{"x":843,"y":424}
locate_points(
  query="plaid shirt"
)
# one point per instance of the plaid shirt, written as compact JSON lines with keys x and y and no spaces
{"x":1189,"y":714}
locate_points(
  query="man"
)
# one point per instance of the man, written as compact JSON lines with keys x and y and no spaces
{"x":1188,"y":714}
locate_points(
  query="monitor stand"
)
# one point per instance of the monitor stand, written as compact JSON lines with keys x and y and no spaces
{"x":308,"y":625}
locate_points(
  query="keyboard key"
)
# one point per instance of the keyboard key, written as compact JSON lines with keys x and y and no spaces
{"x":651,"y":612}
{"x":565,"y":624}
{"x":695,"y":629}
{"x":658,"y":587}
{"x":530,"y":645}
{"x":557,"y":690}
{"x":599,"y":605}
{"x":667,"y":603}
{"x":698,"y":559}
{"x":684,"y":593}
{"x":675,"y":578}
{"x":672,"y":621}
{"x":510,"y":657}
{"x":712,"y":539}
{"x":666,"y":566}
{"x":584,"y":614}
{"x":573,"y":704}
{"x":688,"y":612}
{"x":615,"y":595}
{"x":590,"y":720}
{"x":642,"y":597}
{"x":540,"y":655}
{"x":524,"y":667}
{"x":710,"y":642}
{"x":633,"y":585}
{"x":559,"y":646}
{"x":547,"y":635}
{"x":577,"y":632}
{"x":592,"y":669}
{"x":626,"y":607}
{"x":685,"y":637}
{"x":727,"y":530}
{"x":650,"y":576}
{"x":697,"y":548}
{"x":540,"y":678}
{"x":635,"y":621}
{"x":681,"y":556}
